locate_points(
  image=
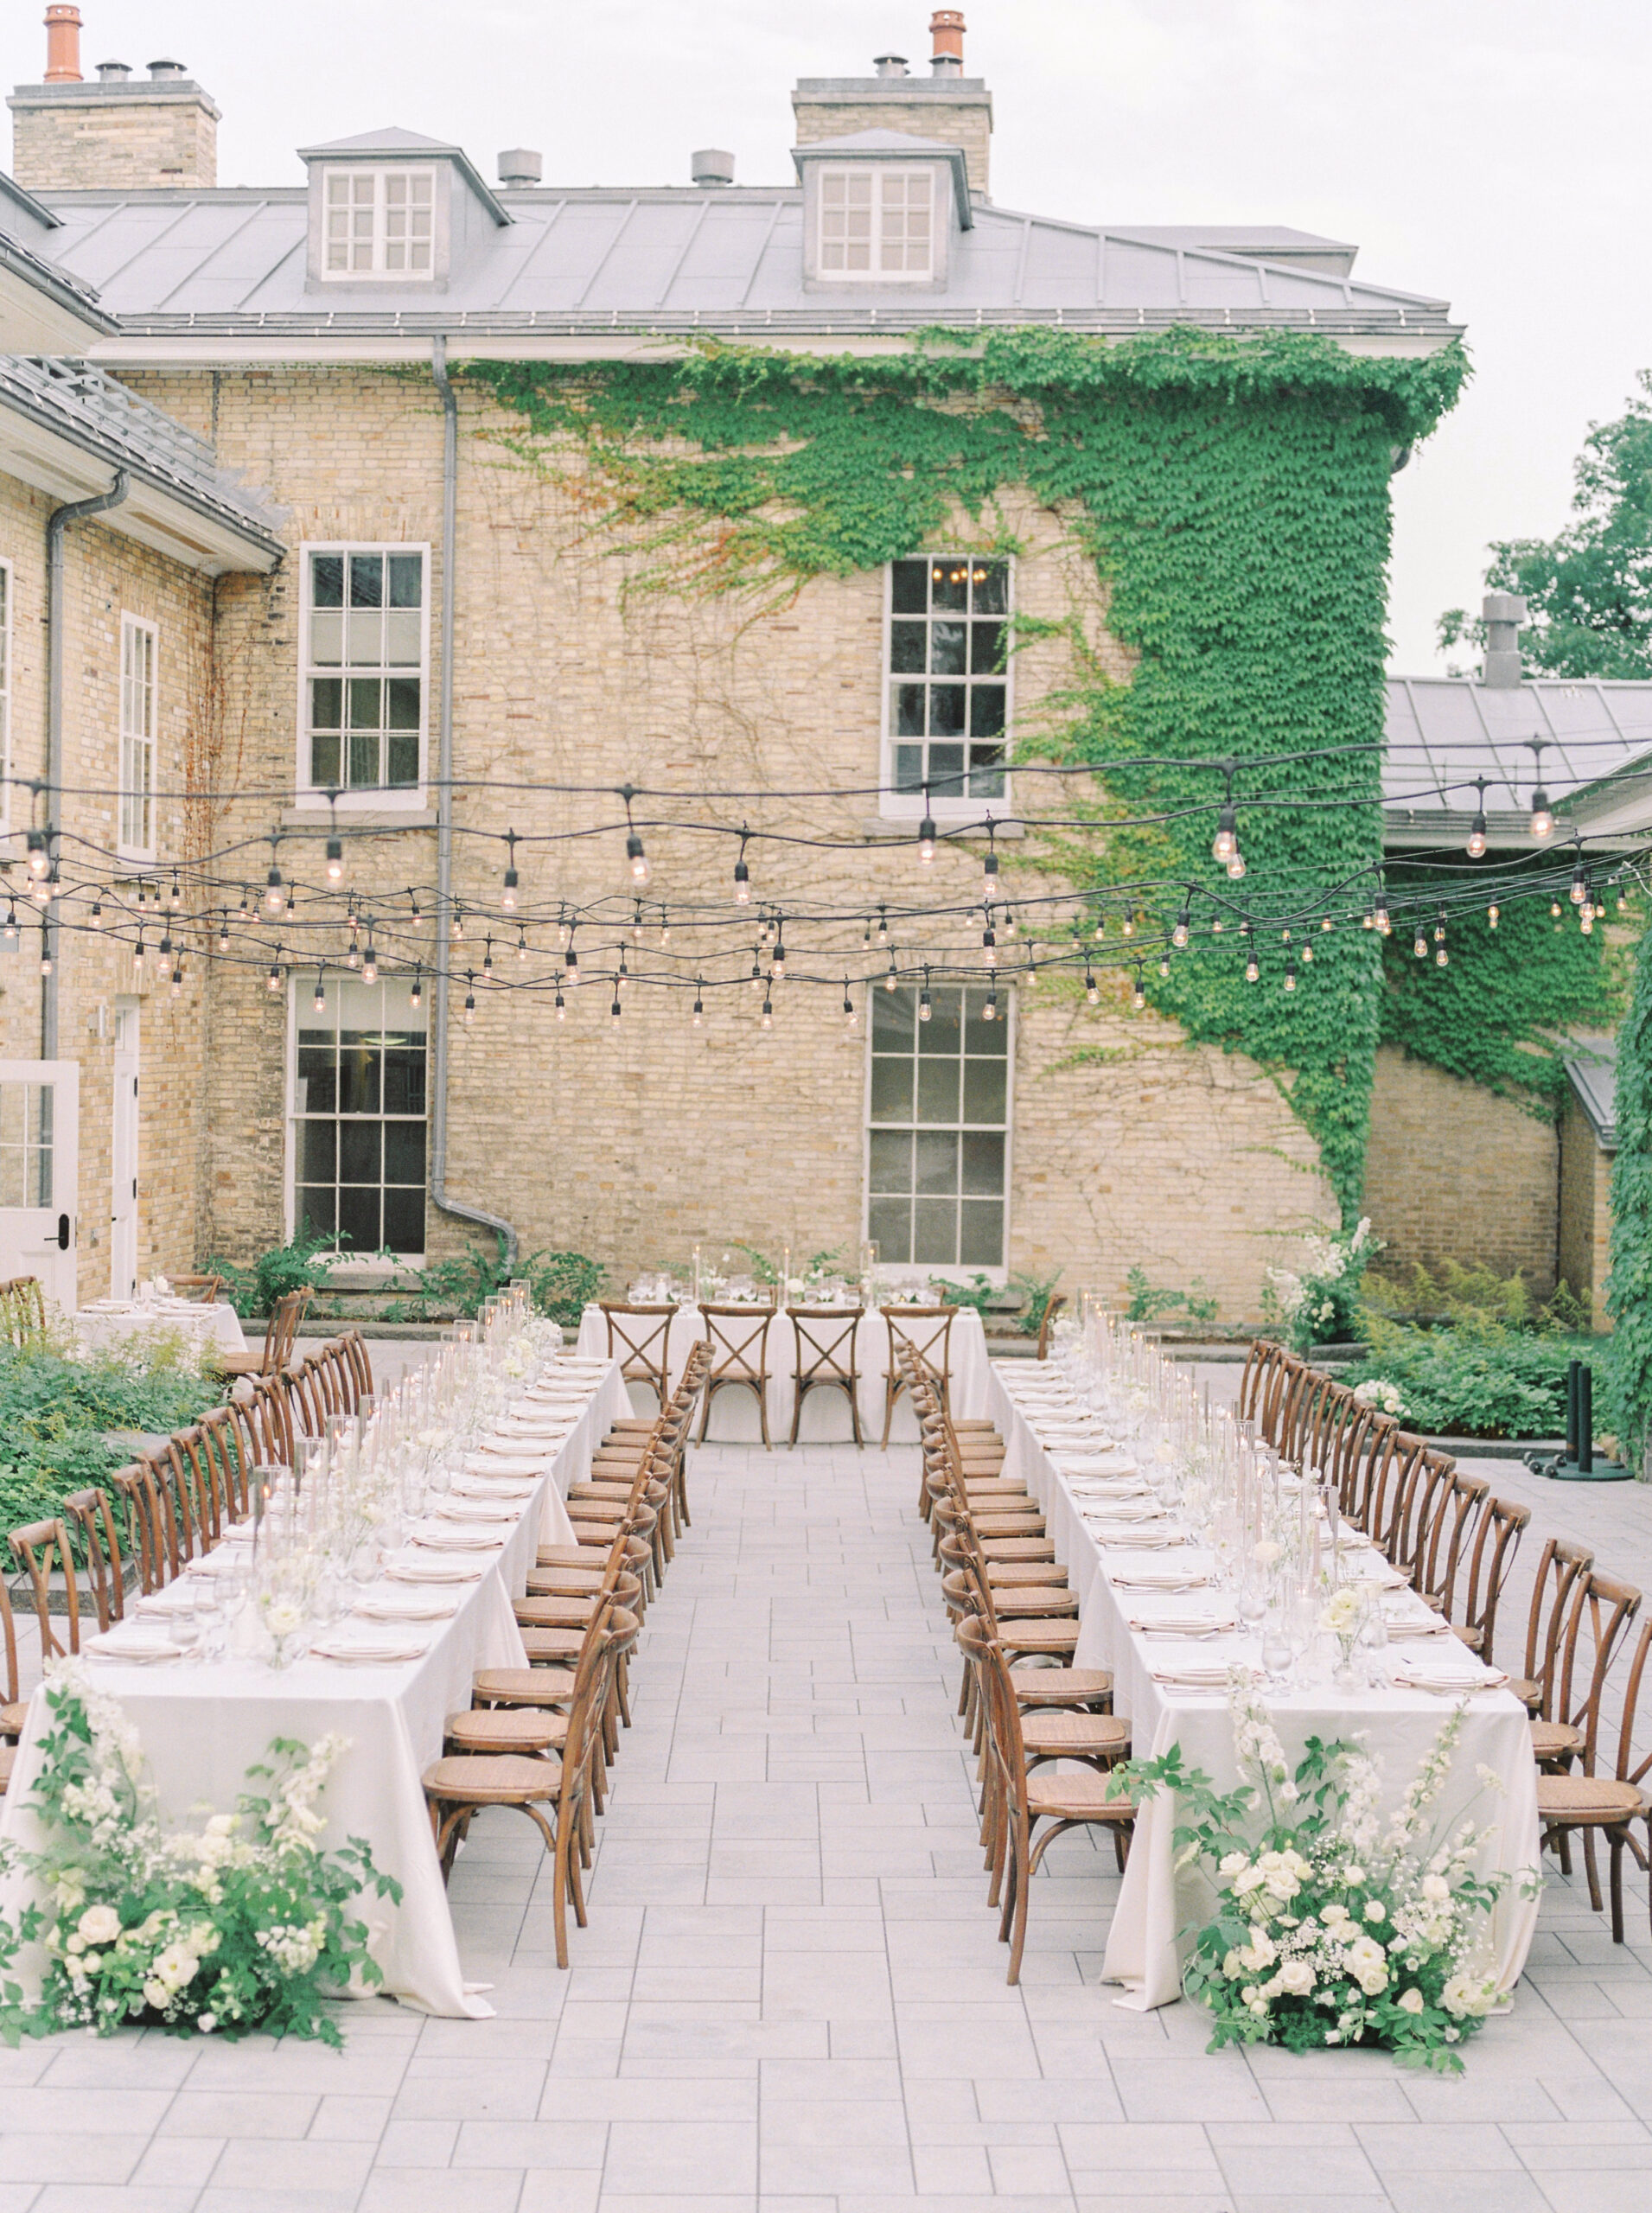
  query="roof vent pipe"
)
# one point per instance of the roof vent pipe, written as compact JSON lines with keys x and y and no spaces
{"x":164,"y":72}
{"x":114,"y":72}
{"x":520,"y":165}
{"x":890,"y":65}
{"x":711,"y":165}
{"x":947,"y":30}
{"x":1504,"y":612}
{"x":63,"y":44}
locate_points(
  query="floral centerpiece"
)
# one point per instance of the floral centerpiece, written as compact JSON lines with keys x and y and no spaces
{"x":1319,"y":1302}
{"x":242,"y":1923}
{"x":1331,"y":1926}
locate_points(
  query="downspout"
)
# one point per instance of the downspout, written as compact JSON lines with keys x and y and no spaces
{"x":438,"y":1048}
{"x":57,"y":521}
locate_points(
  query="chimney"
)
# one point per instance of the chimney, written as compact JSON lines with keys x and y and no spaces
{"x":945,"y":106}
{"x":63,"y":44}
{"x":1504,"y":612}
{"x":947,"y":54}
{"x":117,"y":134}
{"x":520,"y":165}
{"x":711,"y":165}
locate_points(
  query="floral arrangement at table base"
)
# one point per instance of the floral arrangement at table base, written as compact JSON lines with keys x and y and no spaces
{"x":242,"y":1923}
{"x":1333,"y":1927}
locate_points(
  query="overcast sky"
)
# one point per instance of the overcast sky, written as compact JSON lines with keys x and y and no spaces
{"x":1492,"y":152}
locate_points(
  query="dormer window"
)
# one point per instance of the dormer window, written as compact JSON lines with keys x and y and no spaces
{"x":380,"y":222}
{"x":877,"y":223}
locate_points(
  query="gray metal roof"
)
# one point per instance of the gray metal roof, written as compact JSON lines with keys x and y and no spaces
{"x":726,"y":257}
{"x":1592,"y":1074}
{"x":84,"y":404}
{"x":1443,"y":731}
{"x":25,"y":227}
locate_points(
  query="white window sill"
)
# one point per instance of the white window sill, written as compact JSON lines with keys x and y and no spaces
{"x":310,"y":813}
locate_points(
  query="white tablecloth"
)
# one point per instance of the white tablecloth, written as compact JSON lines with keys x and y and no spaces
{"x":203,"y":1727}
{"x":118,"y":1325}
{"x":825,"y":1412}
{"x":1147,"y":1943}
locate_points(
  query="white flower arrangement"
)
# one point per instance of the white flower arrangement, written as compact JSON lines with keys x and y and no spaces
{"x":1383,"y":1396}
{"x":1317,"y":1300}
{"x":1333,"y":1927}
{"x":242,"y":1923}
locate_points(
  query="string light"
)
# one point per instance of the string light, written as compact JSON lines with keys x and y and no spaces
{"x":1440,"y":926}
{"x":1542,"y":823}
{"x":882,"y":926}
{"x":1139,"y":996}
{"x":1492,"y":914}
{"x":1477,"y":835}
{"x":756,"y":976}
{"x":665,"y":928}
{"x":990,"y":871}
{"x":521,"y":945}
{"x":508,"y":896}
{"x":456,"y":929}
{"x":177,"y":979}
{"x":470,"y":1008}
{"x":851,"y":1013}
{"x":139,"y":949}
{"x":272,"y":981}
{"x":320,"y":1000}
{"x":1252,"y":967}
{"x":244,"y":912}
{"x":335,"y":858}
{"x":1164,"y":964}
{"x":636,"y":860}
{"x":1183,"y":926}
{"x":175,"y":896}
{"x":39,"y":859}
{"x":623,"y":976}
{"x":926,"y":836}
{"x":1307,"y":953}
{"x":275,"y":896}
{"x":1420,"y":944}
{"x":778,"y":964}
{"x":890,"y":980}
{"x":370,"y":960}
{"x":699,"y":1002}
{"x":223,"y":932}
{"x":1092,"y":990}
{"x":924,"y":1008}
{"x":486,"y":963}
{"x":416,"y":995}
{"x":742,"y":875}
{"x":1382,"y":923}
{"x":614,"y":1010}
{"x":1290,"y":971}
{"x":96,"y":908}
{"x":562,"y":1003}
{"x":767,"y":1021}
{"x":990,"y":1012}
{"x":571,"y":962}
{"x":636,"y":922}
{"x":1580,"y":891}
{"x":415,"y":913}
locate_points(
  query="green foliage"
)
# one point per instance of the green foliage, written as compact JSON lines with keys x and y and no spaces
{"x":979,"y":1292}
{"x":1476,"y":1295}
{"x":53,"y":1411}
{"x":1588,"y":590}
{"x":1478,"y":1379}
{"x":1497,"y":1014}
{"x":1628,"y":1398}
{"x":1150,"y":1302}
{"x":1234,"y":494}
{"x":302,"y":1264}
{"x":560,"y":1284}
{"x":1036,"y":1291}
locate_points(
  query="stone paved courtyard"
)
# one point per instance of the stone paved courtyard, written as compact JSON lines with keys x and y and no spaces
{"x":790,"y":1997}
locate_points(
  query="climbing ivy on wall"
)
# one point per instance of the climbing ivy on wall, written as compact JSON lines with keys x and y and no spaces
{"x":1234,"y":494}
{"x":1629,"y":1286}
{"x":1498,"y":1013}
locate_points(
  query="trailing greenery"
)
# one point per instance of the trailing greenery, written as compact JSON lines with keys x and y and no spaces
{"x":1498,"y":1014}
{"x":1233,"y":492}
{"x":1476,"y":1379}
{"x":1456,"y":1293}
{"x":561,"y":1283}
{"x":1629,"y":1286}
{"x":302,"y":1264}
{"x":1036,"y":1291}
{"x":53,"y":1411}
{"x":1155,"y":1301}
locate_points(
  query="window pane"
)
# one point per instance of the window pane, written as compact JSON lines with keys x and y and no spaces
{"x":325,"y":760}
{"x":949,"y":585}
{"x":316,"y":1211}
{"x":981,"y":1036}
{"x":909,"y":767}
{"x":367,"y":579}
{"x":327,"y":639}
{"x":980,"y":1243}
{"x":358,"y":1219}
{"x":946,"y":710}
{"x":401,"y":702}
{"x":906,"y":650}
{"x":936,"y":1158}
{"x":985,"y":648}
{"x":987,"y":775}
{"x":947,"y":770}
{"x":405,"y":1152}
{"x":404,"y":1080}
{"x":992,"y":587}
{"x":986,"y":710}
{"x":366,"y":700}
{"x":891,"y":1160}
{"x":358,"y":1078}
{"x":404,"y":640}
{"x":910,"y":587}
{"x":403,"y":767}
{"x":894,"y":1017}
{"x":892,"y":1090}
{"x":361,"y":1152}
{"x":406,"y":579}
{"x":317,"y":1151}
{"x":947,"y":641}
{"x":934,"y":1232}
{"x":908,"y":709}
{"x":983,"y":1163}
{"x":937,"y":1091}
{"x":364,"y":639}
{"x":326,"y":579}
{"x":403,"y":1229}
{"x":317,"y":1079}
{"x":889,"y":1224}
{"x":985,"y":1090}
{"x":364,"y":760}
{"x":942,"y":1033}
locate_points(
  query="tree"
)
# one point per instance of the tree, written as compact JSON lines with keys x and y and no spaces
{"x":1589,"y":590}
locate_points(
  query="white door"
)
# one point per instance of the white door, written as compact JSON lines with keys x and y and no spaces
{"x":122,"y":1219}
{"x":40,"y":1118}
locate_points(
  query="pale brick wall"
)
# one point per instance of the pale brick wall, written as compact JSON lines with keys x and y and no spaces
{"x":1455,"y":1173}
{"x":105,"y":575}
{"x":77,"y":142}
{"x":965,"y":121}
{"x":634,"y":1145}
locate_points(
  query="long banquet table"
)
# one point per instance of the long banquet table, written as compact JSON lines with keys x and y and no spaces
{"x":203,"y":1726}
{"x":1158,"y":1905}
{"x":826,"y":1413}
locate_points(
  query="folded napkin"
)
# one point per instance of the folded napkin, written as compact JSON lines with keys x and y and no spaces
{"x":432,"y":1570}
{"x":540,"y":1432}
{"x":1096,"y":1463}
{"x":1146,"y":1623}
{"x":519,"y":1452}
{"x":1133,"y":1538}
{"x":177,"y":1599}
{"x":1193,"y":1674}
{"x":1375,"y":1573}
{"x":1147,"y":1577}
{"x":134,"y":1640}
{"x":501,"y":1463}
{"x":452,"y":1537}
{"x":1126,"y":1503}
{"x":359,"y":1652}
{"x":1409,"y":1626}
{"x":471,"y":1508}
{"x":405,"y":1606}
{"x":478,"y":1487}
{"x":1445,"y":1672}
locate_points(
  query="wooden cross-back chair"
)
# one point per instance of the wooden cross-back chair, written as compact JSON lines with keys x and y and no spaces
{"x":821,"y":1335}
{"x":42,"y":1550}
{"x":92,"y":1511}
{"x":1054,"y":1307}
{"x":1597,"y":1804}
{"x":1598,"y":1619}
{"x":1560,"y":1566}
{"x":280,"y":1333}
{"x":1419,"y":1519}
{"x":1259,"y":1358}
{"x":1458,"y":1507}
{"x":926,"y":1332}
{"x":733,"y":1334}
{"x":1496,"y":1543}
{"x":203,"y":1290}
{"x":1278,"y":1380}
{"x":640,"y":1337}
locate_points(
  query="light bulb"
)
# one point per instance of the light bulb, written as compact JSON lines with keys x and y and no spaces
{"x":1130,"y":922}
{"x":1236,"y":867}
{"x":700,"y":1012}
{"x":990,"y":1012}
{"x":320,"y":1000}
{"x":768,"y":1020}
{"x":562,"y":1008}
{"x":137,"y":950}
{"x":636,"y":860}
{"x":1252,"y":970}
{"x":96,"y":908}
{"x":1439,"y":927}
{"x":883,"y":926}
{"x":334,"y":861}
{"x":741,"y":884}
{"x":889,"y":980}
{"x":416,"y":996}
{"x":272,"y":981}
{"x":1163,"y":964}
{"x":275,"y":896}
{"x":851,"y":1016}
{"x":470,"y":1007}
{"x":177,"y":983}
{"x":353,"y":958}
{"x":1179,"y":934}
{"x":1384,"y":926}
{"x":223,"y":934}
{"x":39,"y":859}
{"x":990,"y":948}
{"x":1554,"y":908}
{"x":1092,"y":990}
{"x":40,"y":891}
{"x":1492,"y":913}
{"x":370,"y":967}
{"x":924,"y":1008}
{"x":1478,"y":838}
{"x":614,"y":1010}
{"x":457,"y":927}
{"x":508,"y":896}
{"x":175,"y":896}
{"x":990,"y":877}
{"x":1225,"y":844}
{"x":779,"y":963}
{"x":1325,"y":922}
{"x":1138,"y":997}
{"x":1290,"y":975}
{"x":1580,"y":891}
{"x":926,"y":840}
{"x":45,"y":964}
{"x":571,"y":962}
{"x":521,"y":945}
{"x":1215,"y":926}
{"x":1419,"y":945}
{"x":244,"y":912}
{"x":1543,"y":814}
{"x":1442,"y":958}
{"x":1586,"y":921}
{"x":1307,"y":955}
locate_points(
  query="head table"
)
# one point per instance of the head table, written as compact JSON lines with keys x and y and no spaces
{"x":825,"y":1412}
{"x":1118,"y":1586}
{"x":203,"y":1725}
{"x":129,"y":1327}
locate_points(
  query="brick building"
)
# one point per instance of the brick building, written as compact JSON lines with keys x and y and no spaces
{"x":436,"y":602}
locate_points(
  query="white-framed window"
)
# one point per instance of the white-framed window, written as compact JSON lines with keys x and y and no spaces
{"x":365,"y":668}
{"x":5,"y":695}
{"x":938,"y":1128}
{"x":946,"y":692}
{"x":139,"y":648}
{"x":378,"y":222}
{"x":358,"y":1113}
{"x":876,"y":222}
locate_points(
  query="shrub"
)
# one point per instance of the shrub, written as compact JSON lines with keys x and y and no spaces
{"x":1148,"y":1301}
{"x":302,"y":1264}
{"x":1038,"y":1291}
{"x":561,"y":1283}
{"x":1479,"y":1294}
{"x":1478,"y":1379}
{"x":53,"y":1411}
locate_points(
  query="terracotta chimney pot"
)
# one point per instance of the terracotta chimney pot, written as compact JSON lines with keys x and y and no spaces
{"x":63,"y":44}
{"x":946,"y":54}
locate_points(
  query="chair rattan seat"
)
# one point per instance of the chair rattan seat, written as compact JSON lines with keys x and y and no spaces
{"x":1042,"y":1687}
{"x":12,"y":1719}
{"x":1588,"y":1798}
{"x":554,"y":1644}
{"x":524,"y":1686}
{"x":1075,"y":1733}
{"x":1080,"y":1797}
{"x":505,"y":1729}
{"x":1555,"y":1740}
{"x":492,"y":1779}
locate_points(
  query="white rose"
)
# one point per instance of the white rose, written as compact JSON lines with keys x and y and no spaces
{"x":175,"y":1966}
{"x":99,"y":1925}
{"x":158,"y":1995}
{"x":1410,"y":2001}
{"x":1375,"y":1909}
{"x":1436,"y":1887}
{"x":1297,"y":1977}
{"x":1232,"y":1863}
